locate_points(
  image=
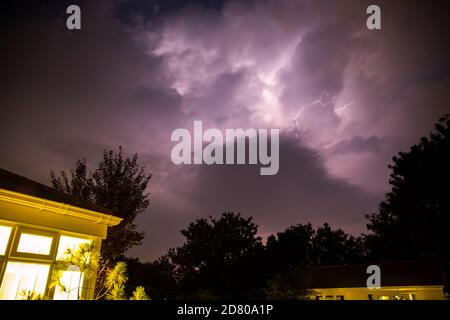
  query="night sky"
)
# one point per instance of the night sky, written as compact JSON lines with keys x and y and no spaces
{"x":346,"y":99}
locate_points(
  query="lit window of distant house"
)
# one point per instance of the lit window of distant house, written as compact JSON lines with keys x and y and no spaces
{"x":339,"y":297}
{"x":410,"y":296}
{"x":23,"y":279}
{"x":5,"y":233}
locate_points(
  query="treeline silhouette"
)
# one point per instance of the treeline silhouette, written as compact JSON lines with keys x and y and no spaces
{"x":225,"y":257}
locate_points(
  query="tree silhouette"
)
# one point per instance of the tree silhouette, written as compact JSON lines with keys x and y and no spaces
{"x":302,"y":243}
{"x":289,"y":248}
{"x":292,"y":284}
{"x":331,"y":247}
{"x":219,"y":257}
{"x":118,"y":184}
{"x":414,"y":219}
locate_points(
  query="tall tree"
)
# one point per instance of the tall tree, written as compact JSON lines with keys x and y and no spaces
{"x":414,"y":219}
{"x":289,"y":248}
{"x":119,"y":185}
{"x":334,"y":246}
{"x":219,"y":255}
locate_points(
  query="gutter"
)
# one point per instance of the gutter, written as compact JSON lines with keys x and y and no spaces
{"x":59,"y":208}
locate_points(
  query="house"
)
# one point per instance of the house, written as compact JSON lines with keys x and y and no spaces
{"x":402,"y":280}
{"x":37,"y":225}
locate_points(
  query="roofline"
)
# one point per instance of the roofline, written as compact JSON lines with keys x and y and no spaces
{"x":375,"y":263}
{"x":58,"y":207}
{"x":392,"y":287}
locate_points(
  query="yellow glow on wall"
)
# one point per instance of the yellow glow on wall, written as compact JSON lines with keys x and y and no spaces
{"x":31,"y":233}
{"x":31,"y":243}
{"x":22,"y":278}
{"x":5,"y":232}
{"x":71,"y":280}
{"x":423,"y":292}
{"x":71,"y":243}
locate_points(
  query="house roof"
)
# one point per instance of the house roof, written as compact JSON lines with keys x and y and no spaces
{"x":401,"y":273}
{"x":13,"y":182}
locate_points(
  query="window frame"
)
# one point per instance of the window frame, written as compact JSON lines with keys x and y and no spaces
{"x":9,"y":243}
{"x":85,"y":238}
{"x":34,"y":261}
{"x":12,"y":255}
{"x":34,"y":256}
{"x":53,"y":291}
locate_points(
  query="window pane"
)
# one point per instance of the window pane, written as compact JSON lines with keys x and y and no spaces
{"x":32,"y":243}
{"x":71,"y":280}
{"x":23,"y":279}
{"x":5,"y":232}
{"x":71,"y":243}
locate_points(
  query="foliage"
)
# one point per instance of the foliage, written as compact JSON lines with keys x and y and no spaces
{"x":118,"y":184}
{"x":218,"y":256}
{"x":157,"y":276}
{"x":110,"y":281}
{"x":300,"y":243}
{"x":225,"y":258}
{"x":85,"y":259}
{"x":139,"y":294}
{"x":414,"y":219}
{"x":289,"y":247}
{"x":290,"y":285}
{"x":332,"y":247}
{"x":115,"y":279}
{"x":31,"y":295}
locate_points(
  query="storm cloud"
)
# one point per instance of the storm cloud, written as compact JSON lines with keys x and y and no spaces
{"x":345,"y":98}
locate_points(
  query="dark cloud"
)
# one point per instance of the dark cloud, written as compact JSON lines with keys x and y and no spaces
{"x":302,"y":191}
{"x":358,"y":144}
{"x":158,"y":103}
{"x":319,"y":62}
{"x":134,"y":12}
{"x":15,"y":12}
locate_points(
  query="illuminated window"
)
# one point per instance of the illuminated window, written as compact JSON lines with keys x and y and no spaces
{"x":5,"y":232}
{"x":36,"y":244}
{"x":23,"y":279}
{"x":409,"y":296}
{"x":72,"y":282}
{"x":71,"y":243}
{"x":383,"y":298}
{"x":339,"y":297}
